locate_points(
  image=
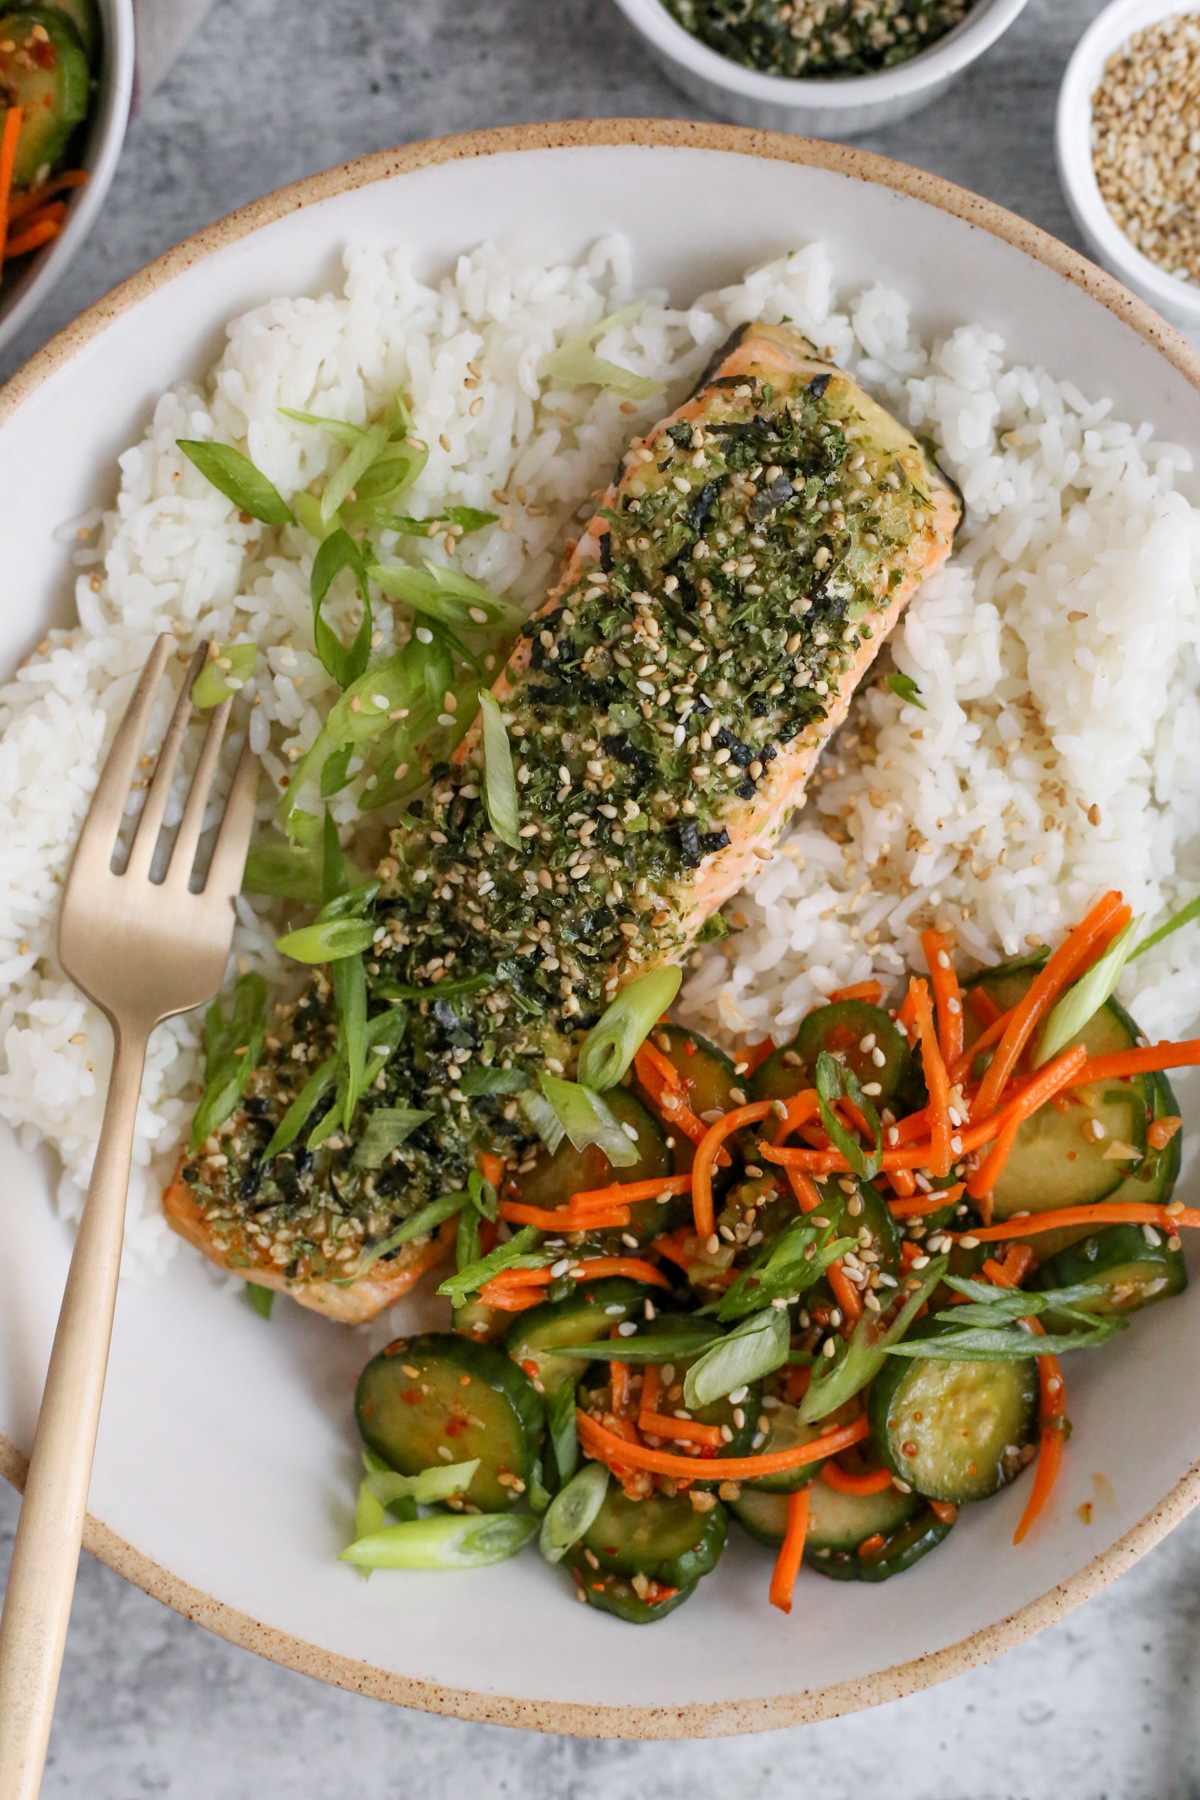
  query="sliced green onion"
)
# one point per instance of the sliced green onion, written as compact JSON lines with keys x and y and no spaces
{"x":747,"y":1353}
{"x":500,"y":783}
{"x":440,"y":990}
{"x":835,"y":1382}
{"x":428,"y":1488}
{"x":233,"y":1047}
{"x":543,"y":1119}
{"x":650,"y":1349}
{"x":576,"y":364}
{"x":328,"y":942}
{"x":370,"y":1514}
{"x":297,"y":1114}
{"x":307,"y":509}
{"x":235,"y":476}
{"x":444,"y":1541}
{"x":611,"y":1045}
{"x":446,"y":595}
{"x":1084,"y":998}
{"x":1006,"y":1342}
{"x":834,"y":1081}
{"x":262,"y":1299}
{"x":339,"y":551}
{"x":340,"y":430}
{"x":906,"y":688}
{"x":796,"y":1260}
{"x":515,"y":1254}
{"x":275,"y":866}
{"x":386,"y":1129}
{"x":562,"y":1431}
{"x":587,"y":1120}
{"x":572,"y":1510}
{"x":214,"y":684}
{"x":370,"y":445}
{"x":1184,"y":916}
{"x":494,"y":1081}
{"x":421,"y":1224}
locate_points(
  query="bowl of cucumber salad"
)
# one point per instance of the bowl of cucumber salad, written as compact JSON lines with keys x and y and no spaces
{"x":825,"y":1300}
{"x":66,"y":83}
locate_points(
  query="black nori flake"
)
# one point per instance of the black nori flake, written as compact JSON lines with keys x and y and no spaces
{"x":189,"y":1172}
{"x":416,"y":808}
{"x":760,"y":706}
{"x":713,"y":840}
{"x":250,"y":1181}
{"x":438,"y":770}
{"x":739,"y":753}
{"x":689,"y":844}
{"x":621,"y":750}
{"x":606,"y":555}
{"x":770,"y":498}
{"x":745,"y":789}
{"x":818,"y":384}
{"x":553,"y":695}
{"x":702,"y":504}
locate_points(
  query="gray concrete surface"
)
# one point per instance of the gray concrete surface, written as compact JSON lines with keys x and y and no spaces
{"x":1099,"y":1708}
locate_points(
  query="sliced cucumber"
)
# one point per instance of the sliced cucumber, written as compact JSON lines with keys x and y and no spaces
{"x":543,"y":1336}
{"x":723,"y":1412}
{"x":616,"y":1594}
{"x":664,"y":1538}
{"x":877,"y":1219}
{"x":1127,"y":1270}
{"x":1153,"y":1179}
{"x":440,"y":1398}
{"x":481,"y":1323}
{"x":836,"y":1521}
{"x":707,"y":1073}
{"x":842,"y":1029}
{"x":44,"y":71}
{"x":786,"y":1431}
{"x":953,"y":1430}
{"x":900,"y":1549}
{"x":85,"y":17}
{"x":556,"y":1179}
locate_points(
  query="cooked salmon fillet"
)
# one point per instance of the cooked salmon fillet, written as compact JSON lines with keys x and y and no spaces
{"x":664,"y":710}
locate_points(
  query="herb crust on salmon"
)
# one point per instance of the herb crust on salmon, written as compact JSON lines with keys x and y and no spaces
{"x":664,"y":710}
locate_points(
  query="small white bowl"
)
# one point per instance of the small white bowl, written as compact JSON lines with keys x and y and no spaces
{"x":830,"y":105}
{"x":104,"y":134}
{"x":1176,"y":300}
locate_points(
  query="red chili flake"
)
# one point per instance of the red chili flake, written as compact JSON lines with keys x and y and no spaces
{"x":411,"y":1396}
{"x":454,"y":1427}
{"x":908,"y":1449}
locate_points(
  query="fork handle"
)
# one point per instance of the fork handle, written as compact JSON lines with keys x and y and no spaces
{"x":45,"y":1556}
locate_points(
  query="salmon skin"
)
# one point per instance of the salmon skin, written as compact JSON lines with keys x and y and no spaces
{"x":664,"y":711}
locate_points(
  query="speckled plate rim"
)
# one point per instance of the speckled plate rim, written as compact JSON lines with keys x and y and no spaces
{"x":707,"y":1719}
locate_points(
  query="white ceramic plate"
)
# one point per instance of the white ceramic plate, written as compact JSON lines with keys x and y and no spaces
{"x":227,"y":1452}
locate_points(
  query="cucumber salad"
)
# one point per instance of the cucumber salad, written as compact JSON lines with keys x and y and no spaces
{"x":825,"y":1304}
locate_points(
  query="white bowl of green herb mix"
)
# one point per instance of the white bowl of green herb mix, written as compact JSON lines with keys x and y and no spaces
{"x":825,"y":68}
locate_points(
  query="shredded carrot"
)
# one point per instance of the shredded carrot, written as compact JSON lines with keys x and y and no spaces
{"x":800,"y":1108}
{"x":871,"y":1546}
{"x":842,"y":1483}
{"x":983,"y":1006}
{"x":649,"y":1056}
{"x":1160,"y":1132}
{"x":871,"y":991}
{"x":921,"y":1205}
{"x":649,"y":1400}
{"x":626,"y":1193}
{"x":807,"y":1194}
{"x":1013,"y":1267}
{"x":20,"y":206}
{"x":844,"y":1292}
{"x":706,"y":1154}
{"x":618,"y":1381}
{"x":1141,"y":1062}
{"x":613,"y":1451}
{"x":993,"y":1033}
{"x":8,"y":158}
{"x":787,"y":1566}
{"x":945,"y":1510}
{"x":1078,"y":950}
{"x":673,"y":1245}
{"x":510,"y":1300}
{"x":906,"y":1018}
{"x":667,"y":1094}
{"x":32,"y":237}
{"x":54,"y":212}
{"x":903,"y":1182}
{"x":756,"y":1054}
{"x":936,"y":1080}
{"x":563,"y":1218}
{"x":1062,"y":1072}
{"x":491,"y":1168}
{"x":1103,"y":1212}
{"x":1054,"y":1430}
{"x":687,"y":1431}
{"x":947,"y":995}
{"x":498,"y":1290}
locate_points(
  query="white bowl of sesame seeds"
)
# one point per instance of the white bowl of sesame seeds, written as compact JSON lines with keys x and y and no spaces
{"x":834,"y":106}
{"x":1129,"y":153}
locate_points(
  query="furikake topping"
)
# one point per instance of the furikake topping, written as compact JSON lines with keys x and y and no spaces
{"x":746,"y":559}
{"x":806,"y":38}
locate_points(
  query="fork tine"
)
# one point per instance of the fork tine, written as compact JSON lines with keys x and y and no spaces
{"x":233,"y":840}
{"x":183,"y":855}
{"x":146,"y":838}
{"x":99,"y":835}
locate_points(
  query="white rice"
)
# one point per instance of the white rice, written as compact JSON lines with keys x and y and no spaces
{"x":1069,"y":512}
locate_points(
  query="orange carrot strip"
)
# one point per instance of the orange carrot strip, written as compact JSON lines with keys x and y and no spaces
{"x":755,"y":1054}
{"x":1053,"y":1421}
{"x":801,"y":1108}
{"x":946,"y":994}
{"x":510,"y":1299}
{"x":907,"y":1016}
{"x":936,"y":1080}
{"x":844,"y":1291}
{"x":672,"y":1246}
{"x":787,"y":1566}
{"x":1074,"y":954}
{"x":903,"y":1183}
{"x":652,"y":1057}
{"x":563,"y":1218}
{"x":668,"y":1096}
{"x":1013,"y":1267}
{"x":983,"y":1006}
{"x":625,"y":1193}
{"x":633,"y":1266}
{"x":871,"y":991}
{"x":1062,"y":1072}
{"x":688,"y":1431}
{"x":706,"y":1154}
{"x":8,"y":158}
{"x":1141,"y":1062}
{"x":606,"y":1446}
{"x":1103,"y":1212}
{"x":20,"y":206}
{"x":618,"y":1381}
{"x":1160,"y":1132}
{"x":31,"y":238}
{"x":920,"y":1205}
{"x":491,"y":1167}
{"x":808,"y":1197}
{"x":842,"y":1483}
{"x":649,"y":1400}
{"x":945,"y":1510}
{"x":993,"y":1033}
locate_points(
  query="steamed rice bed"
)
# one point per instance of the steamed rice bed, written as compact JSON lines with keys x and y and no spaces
{"x":1058,"y":752}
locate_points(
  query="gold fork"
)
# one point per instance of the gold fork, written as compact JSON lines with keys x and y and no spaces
{"x":143,"y":950}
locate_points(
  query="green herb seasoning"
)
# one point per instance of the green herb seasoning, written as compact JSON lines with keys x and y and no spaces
{"x":818,"y":37}
{"x":699,"y":641}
